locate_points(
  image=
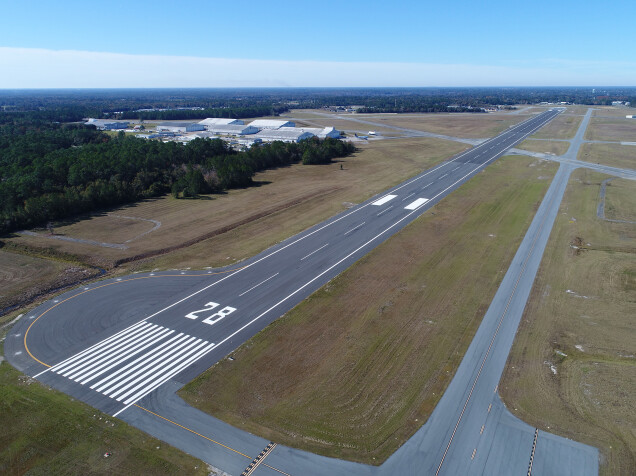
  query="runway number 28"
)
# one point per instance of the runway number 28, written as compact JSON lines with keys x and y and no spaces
{"x":212,"y":318}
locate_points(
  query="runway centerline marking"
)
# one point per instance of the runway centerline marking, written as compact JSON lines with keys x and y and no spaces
{"x":315,"y":251}
{"x":263,"y":282}
{"x":354,"y":228}
{"x":385,"y":210}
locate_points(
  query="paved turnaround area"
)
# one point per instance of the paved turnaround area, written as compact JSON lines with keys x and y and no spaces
{"x":125,"y":345}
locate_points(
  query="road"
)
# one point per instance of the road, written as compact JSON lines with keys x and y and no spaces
{"x":125,"y":345}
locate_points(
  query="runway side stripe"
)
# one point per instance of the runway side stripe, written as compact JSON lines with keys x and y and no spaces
{"x":416,"y":204}
{"x":383,"y":200}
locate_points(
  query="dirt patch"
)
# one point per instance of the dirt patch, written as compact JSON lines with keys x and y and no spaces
{"x":356,"y":369}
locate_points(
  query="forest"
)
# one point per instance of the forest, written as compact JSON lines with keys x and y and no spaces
{"x":50,"y":171}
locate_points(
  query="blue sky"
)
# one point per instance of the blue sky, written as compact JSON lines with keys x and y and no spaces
{"x":319,"y":43}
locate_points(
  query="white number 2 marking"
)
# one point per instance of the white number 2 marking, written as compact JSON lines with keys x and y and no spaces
{"x":214,"y":318}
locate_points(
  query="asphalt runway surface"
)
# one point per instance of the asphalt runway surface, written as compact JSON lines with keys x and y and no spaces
{"x":124,"y":345}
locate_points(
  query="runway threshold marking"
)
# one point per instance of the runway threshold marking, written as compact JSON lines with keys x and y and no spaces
{"x":492,"y":341}
{"x":206,"y":438}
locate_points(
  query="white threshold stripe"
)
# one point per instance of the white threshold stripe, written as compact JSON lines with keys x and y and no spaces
{"x":91,"y":348}
{"x":416,"y":204}
{"x":354,"y":228}
{"x":167,"y":370}
{"x":383,"y":200}
{"x":137,"y":397}
{"x":264,"y":281}
{"x":96,"y":360}
{"x":315,"y":251}
{"x":106,"y":366}
{"x":190,"y":346}
{"x":71,"y":367}
{"x":104,"y":383}
{"x":385,"y":210}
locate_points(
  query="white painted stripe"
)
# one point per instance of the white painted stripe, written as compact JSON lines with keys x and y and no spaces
{"x":103,"y":383}
{"x":155,"y":358}
{"x":264,"y":281}
{"x":96,"y":360}
{"x":192,"y":350}
{"x":408,"y":196}
{"x":106,"y":366}
{"x":355,"y":228}
{"x":315,"y":251}
{"x":385,"y":210}
{"x":95,"y":347}
{"x":416,"y":203}
{"x":442,"y":176}
{"x":383,"y":200}
{"x":174,"y":372}
{"x":115,"y":342}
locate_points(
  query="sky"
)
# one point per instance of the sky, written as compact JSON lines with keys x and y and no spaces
{"x":345,"y":43}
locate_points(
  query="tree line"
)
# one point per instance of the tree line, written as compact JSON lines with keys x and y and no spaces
{"x":50,"y":171}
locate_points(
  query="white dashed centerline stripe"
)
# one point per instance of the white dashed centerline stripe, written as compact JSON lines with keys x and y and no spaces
{"x":315,"y":251}
{"x":264,"y":281}
{"x":442,"y":176}
{"x":408,"y":196}
{"x":416,"y":204}
{"x":385,"y":210}
{"x":354,"y":228}
{"x":383,"y":200}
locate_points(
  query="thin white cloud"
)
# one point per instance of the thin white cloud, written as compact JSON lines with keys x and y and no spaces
{"x":42,"y":68}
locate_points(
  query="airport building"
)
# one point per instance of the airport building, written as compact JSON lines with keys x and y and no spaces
{"x":179,"y":127}
{"x":271,"y":124}
{"x":288,"y":134}
{"x":107,"y":125}
{"x":220,"y":121}
{"x":321,"y":133}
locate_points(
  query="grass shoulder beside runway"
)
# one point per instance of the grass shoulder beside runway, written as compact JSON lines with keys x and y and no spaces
{"x":572,"y":368}
{"x":356,"y":369}
{"x":46,"y":432}
{"x":556,"y":147}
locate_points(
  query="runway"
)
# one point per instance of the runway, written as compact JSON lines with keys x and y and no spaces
{"x":120,"y":345}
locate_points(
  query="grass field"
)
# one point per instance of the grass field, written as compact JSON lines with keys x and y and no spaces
{"x":45,"y":432}
{"x":556,"y":147}
{"x":616,"y":155}
{"x":22,"y":277}
{"x":561,"y":127}
{"x":356,"y":369}
{"x":619,"y":200}
{"x":580,"y":319}
{"x":617,"y":112}
{"x":619,"y":129}
{"x":246,"y":221}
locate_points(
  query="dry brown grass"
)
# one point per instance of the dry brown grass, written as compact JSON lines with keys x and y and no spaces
{"x":614,"y":112}
{"x":249,"y":220}
{"x":619,"y":129}
{"x":561,"y":127}
{"x":619,"y":200}
{"x":356,"y":369}
{"x":22,"y":277}
{"x":555,"y":147}
{"x":616,"y":155}
{"x":586,"y":297}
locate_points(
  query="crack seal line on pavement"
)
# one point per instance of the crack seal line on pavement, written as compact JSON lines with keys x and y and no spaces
{"x":503,"y":315}
{"x":206,"y":438}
